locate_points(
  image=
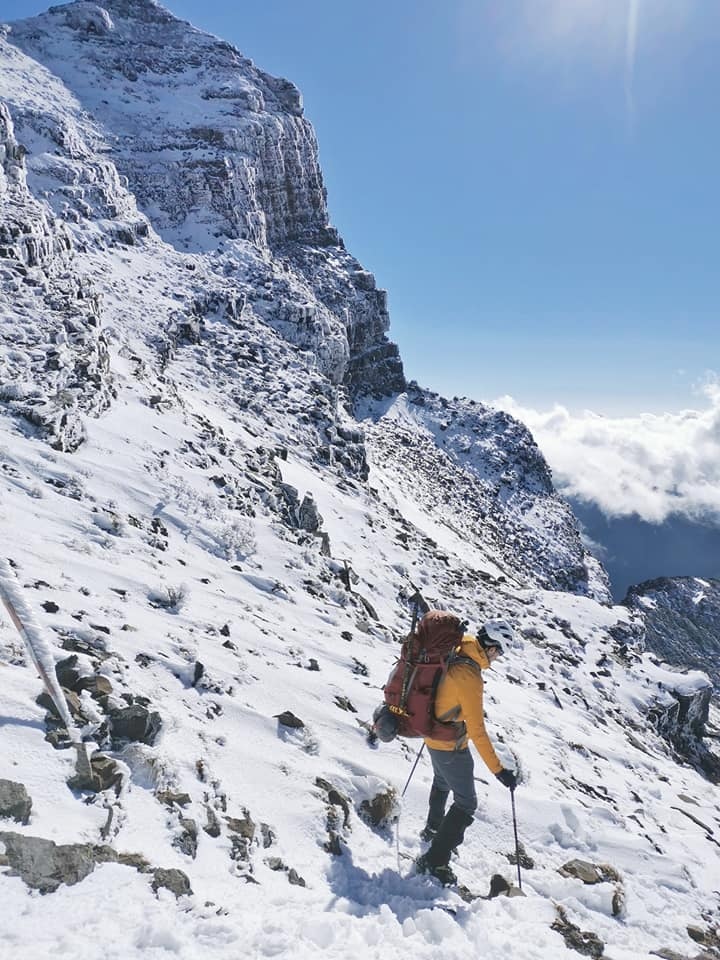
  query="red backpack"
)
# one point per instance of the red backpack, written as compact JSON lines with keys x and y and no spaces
{"x":409,"y":708}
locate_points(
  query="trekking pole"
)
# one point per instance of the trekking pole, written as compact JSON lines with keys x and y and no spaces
{"x":397,"y":822}
{"x":517,"y":842}
{"x":417,"y":760}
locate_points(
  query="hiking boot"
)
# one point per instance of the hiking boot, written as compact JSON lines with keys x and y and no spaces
{"x":448,"y":837}
{"x":441,"y":872}
{"x":427,"y":834}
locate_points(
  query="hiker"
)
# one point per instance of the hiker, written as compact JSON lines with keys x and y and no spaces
{"x":460,"y":699}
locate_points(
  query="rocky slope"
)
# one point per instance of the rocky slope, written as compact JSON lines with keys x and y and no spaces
{"x":682,"y":620}
{"x":109,"y":128}
{"x":218,"y":497}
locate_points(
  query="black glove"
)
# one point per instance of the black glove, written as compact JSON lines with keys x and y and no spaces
{"x":507,"y":778}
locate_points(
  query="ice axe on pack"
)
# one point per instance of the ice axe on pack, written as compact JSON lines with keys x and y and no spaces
{"x":42,"y":657}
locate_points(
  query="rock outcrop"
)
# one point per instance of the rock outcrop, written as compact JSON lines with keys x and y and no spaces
{"x":682,"y":621}
{"x":63,"y":369}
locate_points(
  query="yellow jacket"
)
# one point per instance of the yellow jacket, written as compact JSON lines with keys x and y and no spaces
{"x":462,"y":687}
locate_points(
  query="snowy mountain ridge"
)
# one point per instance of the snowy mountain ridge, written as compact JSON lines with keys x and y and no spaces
{"x":218,"y":495}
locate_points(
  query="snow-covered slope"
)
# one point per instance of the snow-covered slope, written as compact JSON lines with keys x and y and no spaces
{"x":213,"y":513}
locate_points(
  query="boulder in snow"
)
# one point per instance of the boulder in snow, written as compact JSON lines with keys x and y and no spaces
{"x":15,"y":803}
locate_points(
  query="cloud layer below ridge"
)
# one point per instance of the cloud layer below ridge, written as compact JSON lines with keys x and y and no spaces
{"x":650,"y":465}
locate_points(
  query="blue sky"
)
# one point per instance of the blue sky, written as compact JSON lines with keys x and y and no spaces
{"x":535,"y":183}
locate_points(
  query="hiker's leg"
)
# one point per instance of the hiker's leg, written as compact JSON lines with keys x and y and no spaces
{"x":456,"y":768}
{"x":439,"y":792}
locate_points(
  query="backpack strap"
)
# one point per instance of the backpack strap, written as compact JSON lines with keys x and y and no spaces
{"x":458,"y":658}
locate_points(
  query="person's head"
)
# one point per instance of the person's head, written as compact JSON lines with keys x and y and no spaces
{"x":494,"y":637}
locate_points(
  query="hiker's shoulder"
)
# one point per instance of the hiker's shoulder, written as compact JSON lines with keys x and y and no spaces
{"x":467,"y":661}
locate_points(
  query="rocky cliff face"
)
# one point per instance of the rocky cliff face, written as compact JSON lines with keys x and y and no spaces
{"x":215,"y":151}
{"x":54,"y":370}
{"x":682,"y":618}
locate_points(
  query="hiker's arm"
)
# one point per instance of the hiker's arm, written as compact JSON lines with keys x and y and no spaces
{"x":471,"y":696}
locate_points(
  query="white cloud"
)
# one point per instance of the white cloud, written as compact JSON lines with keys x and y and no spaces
{"x":651,"y":464}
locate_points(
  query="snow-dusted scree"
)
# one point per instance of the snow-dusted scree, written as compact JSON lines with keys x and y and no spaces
{"x":218,"y":494}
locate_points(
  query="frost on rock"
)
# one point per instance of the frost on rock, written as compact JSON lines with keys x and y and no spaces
{"x":50,"y":372}
{"x":88,"y":17}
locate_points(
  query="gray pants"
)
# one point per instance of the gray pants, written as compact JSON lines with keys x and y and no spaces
{"x":453,"y":771}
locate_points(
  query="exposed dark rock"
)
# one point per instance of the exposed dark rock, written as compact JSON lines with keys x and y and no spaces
{"x":94,"y":648}
{"x":680,"y":716}
{"x":526,"y":861}
{"x":369,"y":608}
{"x":308,"y":515}
{"x":44,"y":865}
{"x":276,"y":864}
{"x":105,"y":774}
{"x":15,"y":803}
{"x":268,"y":835}
{"x":134,"y":723}
{"x":244,"y":826}
{"x":212,"y":823}
{"x":332,"y":844}
{"x":98,"y":686}
{"x":171,"y":799}
{"x":381,"y":809}
{"x":67,"y":672}
{"x":344,"y":704}
{"x":498,"y":886}
{"x":187,"y":841}
{"x":582,"y":941}
{"x":134,"y":860}
{"x":335,"y":798}
{"x":706,"y":936}
{"x":45,"y":701}
{"x":288,"y":719}
{"x":295,"y":879}
{"x":173,"y":880}
{"x":582,"y":870}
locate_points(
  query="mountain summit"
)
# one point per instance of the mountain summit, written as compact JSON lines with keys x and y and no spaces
{"x":219,"y":496}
